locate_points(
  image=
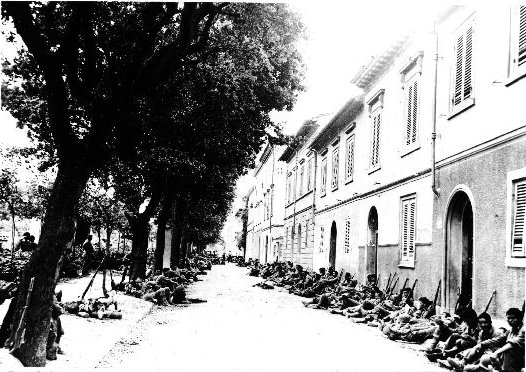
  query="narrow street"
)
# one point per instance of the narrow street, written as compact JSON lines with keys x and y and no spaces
{"x":245,"y":328}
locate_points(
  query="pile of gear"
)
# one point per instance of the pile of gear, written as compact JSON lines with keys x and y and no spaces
{"x":100,"y":308}
{"x":464,"y":341}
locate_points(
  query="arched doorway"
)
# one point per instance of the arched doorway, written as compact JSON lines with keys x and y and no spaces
{"x":371,"y":266}
{"x":459,"y":252}
{"x":332,"y":248}
{"x":298,"y":242}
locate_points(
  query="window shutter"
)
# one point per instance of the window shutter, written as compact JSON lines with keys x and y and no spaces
{"x":521,"y":57}
{"x":335,"y":167}
{"x":415,"y":111}
{"x":467,"y":63}
{"x":347,"y":235}
{"x":458,"y":71}
{"x":409,"y":124}
{"x":349,"y":168}
{"x":407,"y":249}
{"x":321,"y":239}
{"x":375,"y":158}
{"x":323,"y":176}
{"x":518,"y":237}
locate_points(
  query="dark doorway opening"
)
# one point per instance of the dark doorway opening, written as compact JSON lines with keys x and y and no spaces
{"x":459,"y":252}
{"x":332,"y":250}
{"x":372,"y":245}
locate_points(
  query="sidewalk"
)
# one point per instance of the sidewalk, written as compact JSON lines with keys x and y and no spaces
{"x":87,"y":340}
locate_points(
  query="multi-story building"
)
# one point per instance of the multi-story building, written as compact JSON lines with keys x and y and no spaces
{"x":479,"y":212}
{"x":374,"y":205}
{"x":265,"y":201}
{"x":300,"y":194}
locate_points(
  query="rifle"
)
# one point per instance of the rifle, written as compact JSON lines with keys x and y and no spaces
{"x":20,"y":333}
{"x":388,"y":281}
{"x":394,"y":286}
{"x":92,"y":278}
{"x":432,"y":308}
{"x":412,"y":291}
{"x":490,"y":299}
{"x":377,"y":281}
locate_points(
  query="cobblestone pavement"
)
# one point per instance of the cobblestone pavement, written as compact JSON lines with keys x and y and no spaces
{"x":242,"y":328}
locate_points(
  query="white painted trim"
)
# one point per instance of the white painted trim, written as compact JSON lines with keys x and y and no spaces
{"x":512,"y":176}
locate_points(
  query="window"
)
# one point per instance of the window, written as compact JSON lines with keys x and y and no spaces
{"x":323,"y":187}
{"x":518,"y":220}
{"x":306,"y":233}
{"x":349,"y":160}
{"x":272,"y":202}
{"x":321,"y":238}
{"x":347,"y":242}
{"x":408,"y":231}
{"x":411,"y":118}
{"x":300,"y":192}
{"x":462,"y":69}
{"x":518,"y":42}
{"x":289,"y":187}
{"x":335,"y":167}
{"x":286,"y":238}
{"x":309,"y":175}
{"x":375,"y":140}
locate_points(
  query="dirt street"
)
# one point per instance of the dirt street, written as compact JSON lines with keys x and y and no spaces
{"x":244,"y":328}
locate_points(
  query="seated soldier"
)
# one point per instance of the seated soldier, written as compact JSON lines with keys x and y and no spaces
{"x":160,"y":296}
{"x":509,"y":355}
{"x":486,"y":332}
{"x":463,"y":338}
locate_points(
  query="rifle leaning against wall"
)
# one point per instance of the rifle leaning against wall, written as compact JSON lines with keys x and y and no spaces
{"x":412,"y":291}
{"x":394,"y":286}
{"x":432,"y":309}
{"x":490,"y":299}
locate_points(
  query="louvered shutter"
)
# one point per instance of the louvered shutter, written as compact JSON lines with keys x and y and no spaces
{"x":321,"y":239}
{"x":408,"y":231}
{"x":375,"y":146}
{"x":335,"y":167}
{"x":323,"y":176}
{"x":415,"y":111}
{"x":521,"y":56}
{"x":519,"y":231}
{"x":347,"y":235}
{"x":463,"y":67}
{"x":349,"y":168}
{"x":458,"y":70}
{"x":409,"y":124}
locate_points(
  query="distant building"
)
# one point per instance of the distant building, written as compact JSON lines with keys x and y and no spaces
{"x":265,"y":203}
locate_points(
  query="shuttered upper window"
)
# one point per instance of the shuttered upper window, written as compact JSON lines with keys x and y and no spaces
{"x":407,"y":231}
{"x":462,"y":92}
{"x":321,"y":238}
{"x":518,"y":237}
{"x":349,"y":158}
{"x":309,"y":175}
{"x":411,"y":118}
{"x":323,"y":186}
{"x":302,"y":171}
{"x":518,"y":41}
{"x":375,"y":139}
{"x":347,"y":242}
{"x":335,"y":168}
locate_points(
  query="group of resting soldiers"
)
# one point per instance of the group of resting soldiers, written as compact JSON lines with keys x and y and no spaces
{"x":465,"y":341}
{"x":167,"y":287}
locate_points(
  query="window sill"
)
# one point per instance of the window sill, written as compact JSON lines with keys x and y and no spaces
{"x":516,"y":76}
{"x":515,"y":262}
{"x":406,"y":265}
{"x":323,"y":195}
{"x":374,"y":169}
{"x":304,"y":195}
{"x":408,"y":149}
{"x":463,"y":106}
{"x":334,"y":188}
{"x":349,"y":181}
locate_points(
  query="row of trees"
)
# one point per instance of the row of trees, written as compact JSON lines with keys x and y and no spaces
{"x":165,"y":105}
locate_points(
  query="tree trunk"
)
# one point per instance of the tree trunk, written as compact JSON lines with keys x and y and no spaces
{"x":161,"y":232}
{"x":184,"y":241}
{"x":139,"y":252}
{"x":107,"y":262}
{"x":178,"y":213}
{"x":44,"y":265}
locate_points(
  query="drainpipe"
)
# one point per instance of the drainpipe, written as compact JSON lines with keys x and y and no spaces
{"x":433,"y":133}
